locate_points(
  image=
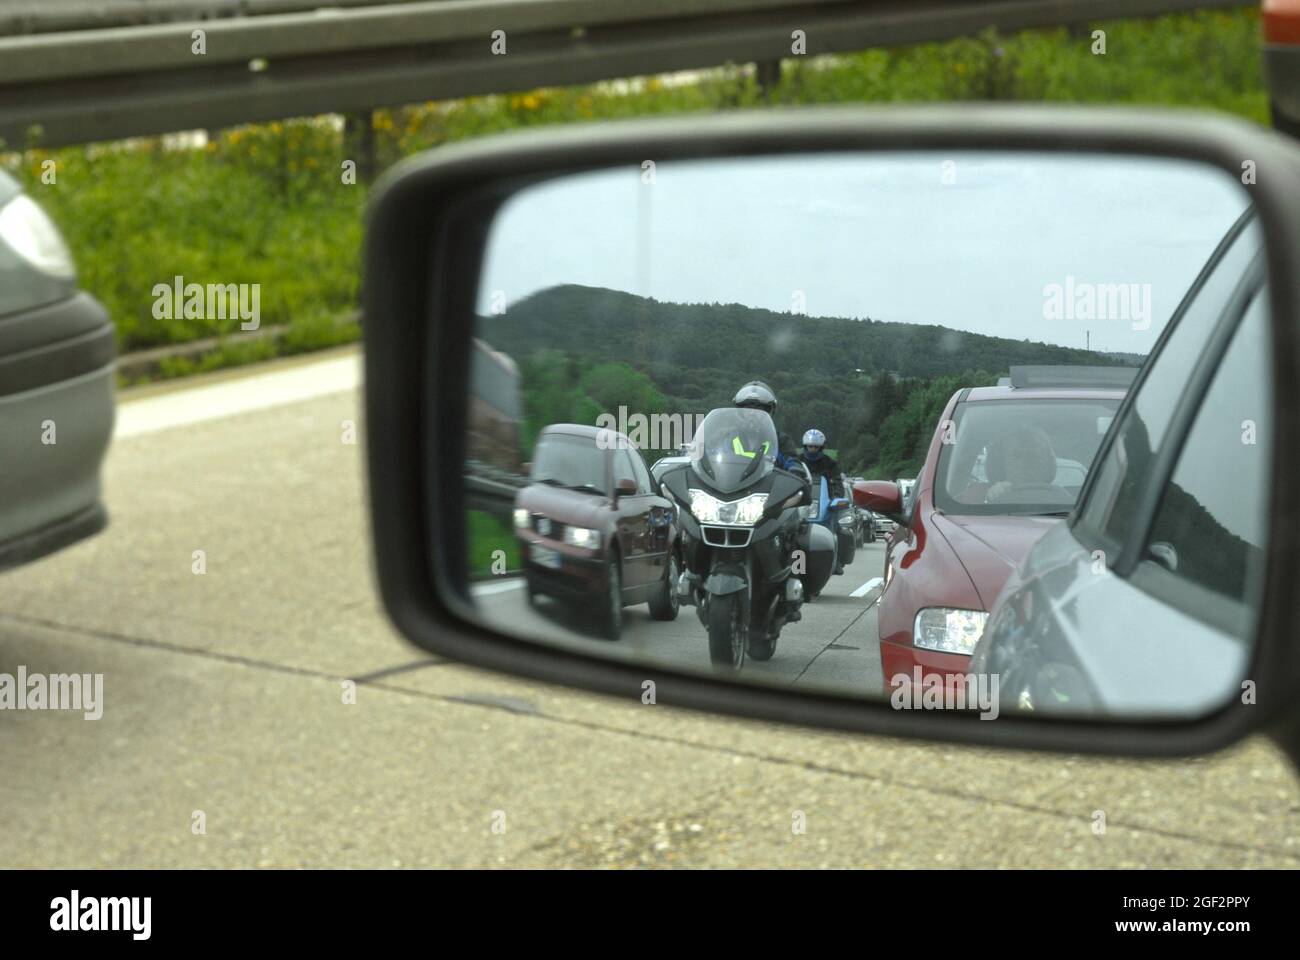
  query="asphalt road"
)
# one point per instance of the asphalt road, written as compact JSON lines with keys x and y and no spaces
{"x":224,"y":695}
{"x":833,"y":648}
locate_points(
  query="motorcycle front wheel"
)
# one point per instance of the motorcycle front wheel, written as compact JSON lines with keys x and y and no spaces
{"x":728,"y":630}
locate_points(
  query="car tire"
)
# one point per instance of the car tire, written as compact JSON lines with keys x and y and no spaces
{"x":609,"y":621}
{"x":665,"y":603}
{"x":1282,"y":123}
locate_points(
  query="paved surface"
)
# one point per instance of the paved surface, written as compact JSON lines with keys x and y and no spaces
{"x":834,"y":648}
{"x":223,"y":694}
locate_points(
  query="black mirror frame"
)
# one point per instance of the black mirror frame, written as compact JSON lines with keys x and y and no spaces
{"x":426,"y":231}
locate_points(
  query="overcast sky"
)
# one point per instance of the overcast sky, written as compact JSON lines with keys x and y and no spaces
{"x":879,"y":235}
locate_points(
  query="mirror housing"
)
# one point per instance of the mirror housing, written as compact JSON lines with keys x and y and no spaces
{"x":624,"y":488}
{"x":427,"y":228}
{"x":881,"y":497}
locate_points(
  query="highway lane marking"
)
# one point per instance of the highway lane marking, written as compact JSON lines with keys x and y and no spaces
{"x":209,"y":401}
{"x":867,"y":587}
{"x":487,"y":589}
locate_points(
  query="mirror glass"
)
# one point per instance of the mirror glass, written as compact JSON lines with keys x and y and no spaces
{"x":857,"y":423}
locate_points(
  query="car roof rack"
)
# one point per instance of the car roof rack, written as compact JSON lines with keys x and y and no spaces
{"x":1066,"y":375}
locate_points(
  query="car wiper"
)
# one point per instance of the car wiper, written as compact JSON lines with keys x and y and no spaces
{"x":549,"y":481}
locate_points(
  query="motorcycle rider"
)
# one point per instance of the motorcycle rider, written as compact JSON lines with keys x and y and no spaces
{"x":819,"y":463}
{"x":757,"y":395}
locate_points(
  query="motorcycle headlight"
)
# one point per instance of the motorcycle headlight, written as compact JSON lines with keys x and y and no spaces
{"x":581,"y":536}
{"x":707,"y":508}
{"x":948,"y":630}
{"x":33,"y":236}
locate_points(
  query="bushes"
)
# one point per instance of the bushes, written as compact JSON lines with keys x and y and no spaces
{"x":263,"y":205}
{"x":266,"y":204}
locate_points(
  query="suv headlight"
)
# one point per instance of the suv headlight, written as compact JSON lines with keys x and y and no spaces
{"x":948,"y":630}
{"x":26,"y":229}
{"x":707,"y":508}
{"x":581,"y":536}
{"x":521,"y":518}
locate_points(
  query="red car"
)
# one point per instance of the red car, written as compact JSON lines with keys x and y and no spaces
{"x":1005,"y":465}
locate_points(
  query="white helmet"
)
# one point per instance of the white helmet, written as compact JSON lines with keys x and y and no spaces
{"x":757,"y":395}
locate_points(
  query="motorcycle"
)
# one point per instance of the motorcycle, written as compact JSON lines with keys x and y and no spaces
{"x":828,"y":513}
{"x":743,"y":533}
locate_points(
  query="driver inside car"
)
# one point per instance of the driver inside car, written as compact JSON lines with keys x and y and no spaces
{"x":1022,"y":467}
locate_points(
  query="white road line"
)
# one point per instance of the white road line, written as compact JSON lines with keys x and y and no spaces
{"x":242,"y":394}
{"x":487,"y":589}
{"x":867,"y":587}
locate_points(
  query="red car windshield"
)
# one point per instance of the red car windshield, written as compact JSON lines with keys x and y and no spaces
{"x":1019,"y":456}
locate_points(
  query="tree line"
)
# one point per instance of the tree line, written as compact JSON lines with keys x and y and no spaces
{"x":876,"y":389}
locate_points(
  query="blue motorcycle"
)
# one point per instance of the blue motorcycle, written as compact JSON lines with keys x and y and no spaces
{"x":826,"y":511}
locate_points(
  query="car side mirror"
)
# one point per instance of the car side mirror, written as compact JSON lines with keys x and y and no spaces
{"x":440,"y":233}
{"x":882,"y":497}
{"x":625,"y":488}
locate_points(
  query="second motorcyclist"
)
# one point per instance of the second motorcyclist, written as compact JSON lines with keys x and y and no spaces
{"x":813,"y":455}
{"x":820,"y":463}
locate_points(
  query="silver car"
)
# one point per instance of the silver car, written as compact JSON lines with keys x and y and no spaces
{"x":1141,"y":602}
{"x":56,"y":388}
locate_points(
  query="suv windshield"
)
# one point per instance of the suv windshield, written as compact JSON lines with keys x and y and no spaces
{"x":734,"y":447}
{"x":568,"y":461}
{"x":1020,"y":456}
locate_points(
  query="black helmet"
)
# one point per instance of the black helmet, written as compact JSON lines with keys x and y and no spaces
{"x":757,"y":395}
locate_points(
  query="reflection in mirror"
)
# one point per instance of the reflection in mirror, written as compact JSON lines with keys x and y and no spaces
{"x":829,"y":422}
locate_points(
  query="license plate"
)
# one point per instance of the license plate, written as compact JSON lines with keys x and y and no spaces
{"x":546,"y":557}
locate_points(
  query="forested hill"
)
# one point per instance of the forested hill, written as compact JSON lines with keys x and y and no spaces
{"x":745,"y":341}
{"x":875,"y":389}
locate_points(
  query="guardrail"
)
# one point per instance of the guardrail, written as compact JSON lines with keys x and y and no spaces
{"x":491,"y":490}
{"x":278,"y":60}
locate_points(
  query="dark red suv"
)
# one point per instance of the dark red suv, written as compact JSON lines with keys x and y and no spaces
{"x":592,"y":529}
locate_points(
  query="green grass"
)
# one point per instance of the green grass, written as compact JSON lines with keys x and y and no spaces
{"x":488,"y":534}
{"x":267,"y":204}
{"x":140,"y":215}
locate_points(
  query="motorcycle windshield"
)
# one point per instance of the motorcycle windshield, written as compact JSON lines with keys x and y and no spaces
{"x":734,"y":448}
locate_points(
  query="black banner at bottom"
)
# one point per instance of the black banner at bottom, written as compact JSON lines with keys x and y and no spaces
{"x":334,"y":908}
